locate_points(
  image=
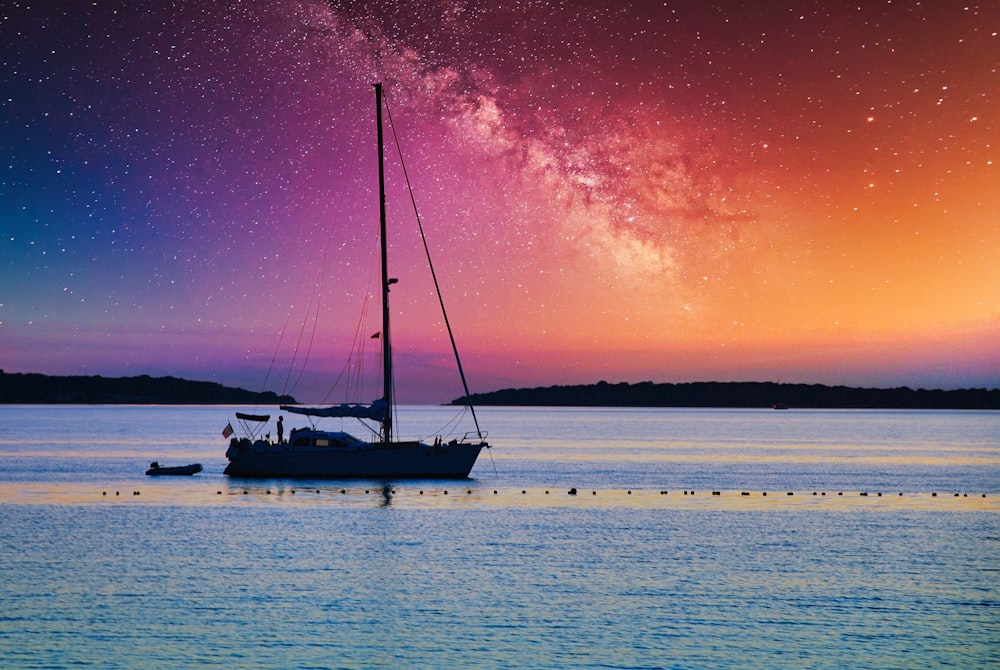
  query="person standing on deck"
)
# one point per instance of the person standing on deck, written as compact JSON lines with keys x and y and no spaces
{"x":281,"y":431}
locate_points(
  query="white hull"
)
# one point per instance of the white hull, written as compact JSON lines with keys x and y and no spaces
{"x":406,"y":460}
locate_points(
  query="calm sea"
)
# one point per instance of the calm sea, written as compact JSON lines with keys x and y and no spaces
{"x":877,"y":545}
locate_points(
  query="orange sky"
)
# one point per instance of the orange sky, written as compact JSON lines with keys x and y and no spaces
{"x":650,"y":191}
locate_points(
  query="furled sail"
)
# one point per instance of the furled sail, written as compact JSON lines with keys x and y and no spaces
{"x":376,"y":411}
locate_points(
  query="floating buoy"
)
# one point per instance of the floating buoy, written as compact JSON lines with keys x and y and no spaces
{"x":245,"y":492}
{"x":546,"y":492}
{"x":446,"y":493}
{"x":630,"y":493}
{"x":593,"y":493}
{"x":494,"y":491}
{"x":764,"y":493}
{"x":421,"y":493}
{"x":716,"y":493}
{"x":218,"y":493}
{"x":744,"y":493}
{"x":934,"y":495}
{"x":663,"y":493}
{"x":469,"y":492}
{"x":790,"y":493}
{"x":572,"y":492}
{"x":268,"y":491}
{"x":523,"y":491}
{"x":104,"y":493}
{"x":116,"y":492}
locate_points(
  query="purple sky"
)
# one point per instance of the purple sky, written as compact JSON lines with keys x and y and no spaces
{"x":632,"y":191}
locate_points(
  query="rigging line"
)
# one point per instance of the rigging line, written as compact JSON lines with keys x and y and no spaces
{"x":496,"y":473}
{"x":312,"y":338}
{"x":367,"y":384}
{"x":270,"y":368}
{"x":356,"y":382}
{"x":355,"y":386}
{"x":451,"y":426}
{"x":354,"y":365}
{"x":295,"y":352}
{"x":274,"y":356}
{"x":298,"y":343}
{"x":315,"y":326}
{"x":318,"y":296}
{"x":437,"y":287}
{"x":347,"y":363}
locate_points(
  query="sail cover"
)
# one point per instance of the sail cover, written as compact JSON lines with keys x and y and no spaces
{"x":376,"y":411}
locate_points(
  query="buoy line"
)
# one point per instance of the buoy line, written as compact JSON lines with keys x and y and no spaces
{"x":685,"y":493}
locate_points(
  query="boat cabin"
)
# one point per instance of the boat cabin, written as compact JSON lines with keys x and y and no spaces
{"x":307,"y":437}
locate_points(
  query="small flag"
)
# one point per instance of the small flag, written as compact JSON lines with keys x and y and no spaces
{"x":228,"y":430}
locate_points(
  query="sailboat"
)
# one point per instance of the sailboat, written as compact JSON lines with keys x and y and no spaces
{"x":313,"y":453}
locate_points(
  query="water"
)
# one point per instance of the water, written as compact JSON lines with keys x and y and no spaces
{"x":643,"y":568}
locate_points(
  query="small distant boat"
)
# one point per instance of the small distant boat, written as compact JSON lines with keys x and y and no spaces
{"x":156,"y":470}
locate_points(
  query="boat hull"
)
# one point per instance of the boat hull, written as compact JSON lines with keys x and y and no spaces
{"x":398,"y":461}
{"x":175,"y":471}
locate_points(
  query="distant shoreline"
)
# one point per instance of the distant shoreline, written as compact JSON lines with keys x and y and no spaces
{"x":737,"y":395}
{"x":38,"y":389}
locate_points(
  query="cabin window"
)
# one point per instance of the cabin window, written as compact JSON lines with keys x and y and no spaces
{"x":301,"y":442}
{"x":322,"y":442}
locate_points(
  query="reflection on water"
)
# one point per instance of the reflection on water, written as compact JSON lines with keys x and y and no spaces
{"x":669,"y":554}
{"x":269,"y":584}
{"x":733,"y":450}
{"x":474,"y":495}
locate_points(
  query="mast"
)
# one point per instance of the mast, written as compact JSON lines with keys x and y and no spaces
{"x":386,"y":346}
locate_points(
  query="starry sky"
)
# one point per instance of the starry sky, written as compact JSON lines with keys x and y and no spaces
{"x":795,"y":191}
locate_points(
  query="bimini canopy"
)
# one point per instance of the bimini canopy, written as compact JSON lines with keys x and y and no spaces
{"x":376,"y":411}
{"x":253,"y":417}
{"x":253,"y":424}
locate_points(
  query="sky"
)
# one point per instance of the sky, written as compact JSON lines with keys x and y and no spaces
{"x":796,"y":191}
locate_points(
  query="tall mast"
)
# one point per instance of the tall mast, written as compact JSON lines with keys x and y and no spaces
{"x":386,"y":346}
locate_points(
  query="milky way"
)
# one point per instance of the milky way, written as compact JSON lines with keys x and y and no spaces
{"x":665,"y":191}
